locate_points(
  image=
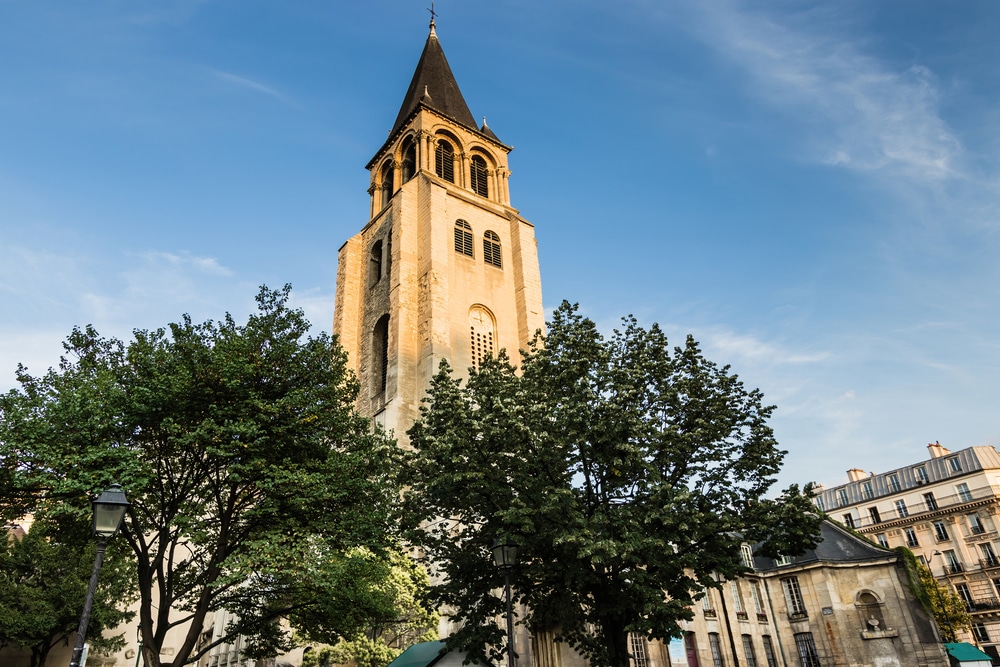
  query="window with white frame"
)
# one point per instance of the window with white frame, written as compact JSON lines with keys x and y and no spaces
{"x":758,"y":600}
{"x":716,"y":647}
{"x":964,"y":495}
{"x":746,"y":553}
{"x":806,"y":648}
{"x":842,"y":497}
{"x":882,"y":540}
{"x":749,"y":651}
{"x":976,"y":526}
{"x":979,"y":632}
{"x":920,"y":474}
{"x":930,"y":502}
{"x":911,"y":537}
{"x":901,"y":508}
{"x":772,"y":659}
{"x":940,"y":531}
{"x":793,"y":596}
{"x":734,"y":590}
{"x":866,"y":490}
{"x":954,"y":464}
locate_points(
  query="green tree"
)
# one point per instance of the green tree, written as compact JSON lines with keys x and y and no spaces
{"x":405,"y":620}
{"x":255,"y":486}
{"x":629,"y":473}
{"x":43,"y":583}
{"x":949,"y":610}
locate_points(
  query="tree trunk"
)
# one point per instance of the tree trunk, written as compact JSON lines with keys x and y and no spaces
{"x":616,"y":641}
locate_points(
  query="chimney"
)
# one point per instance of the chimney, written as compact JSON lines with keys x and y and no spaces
{"x":936,"y":450}
{"x":856,"y":474}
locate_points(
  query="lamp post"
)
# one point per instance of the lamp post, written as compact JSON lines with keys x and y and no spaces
{"x":109,"y":510}
{"x":505,"y":557}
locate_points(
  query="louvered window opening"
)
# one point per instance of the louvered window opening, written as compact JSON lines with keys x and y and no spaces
{"x":638,"y":646}
{"x":478,"y":176}
{"x":463,"y":237}
{"x":482,"y":346}
{"x":491,"y":249}
{"x":409,"y":161}
{"x":444,"y":161}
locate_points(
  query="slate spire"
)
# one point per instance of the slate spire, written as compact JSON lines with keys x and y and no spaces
{"x":435,"y":86}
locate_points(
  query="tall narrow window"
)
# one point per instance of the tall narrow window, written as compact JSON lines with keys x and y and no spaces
{"x":793,"y":596}
{"x":901,"y":509}
{"x":866,"y":491}
{"x":463,"y":237}
{"x":875,"y":516}
{"x":478,"y":176}
{"x":758,"y":601}
{"x":966,"y":595}
{"x":734,"y":588}
{"x":842,"y":496}
{"x":380,"y":353}
{"x":988,"y":554}
{"x":388,"y":182}
{"x":940,"y":531}
{"x":951,"y":562}
{"x":491,"y":249}
{"x":911,"y":537}
{"x":849,"y":520}
{"x":637,"y":643}
{"x":444,"y":161}
{"x":772,"y":659}
{"x":930,"y":501}
{"x":980,"y":632}
{"x":481,"y":335}
{"x":716,"y":646}
{"x":882,"y":540}
{"x":749,"y":651}
{"x":375,"y":263}
{"x":807,"y":650}
{"x":920,"y":474}
{"x":409,"y":166}
{"x":976,"y":526}
{"x":964,"y":495}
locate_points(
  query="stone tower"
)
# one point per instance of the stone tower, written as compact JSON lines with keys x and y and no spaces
{"x":445,"y":267}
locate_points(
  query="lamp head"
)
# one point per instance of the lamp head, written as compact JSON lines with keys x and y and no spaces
{"x":504,"y":552}
{"x":109,"y":510}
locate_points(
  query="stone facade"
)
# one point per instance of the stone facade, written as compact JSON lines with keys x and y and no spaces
{"x":845,"y":603}
{"x":446,"y":268}
{"x":945,"y":509}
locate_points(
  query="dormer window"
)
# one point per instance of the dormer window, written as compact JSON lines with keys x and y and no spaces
{"x":444,"y":161}
{"x":477,"y":176}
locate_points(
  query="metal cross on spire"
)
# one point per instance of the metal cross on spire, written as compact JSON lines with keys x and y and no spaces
{"x":433,"y":14}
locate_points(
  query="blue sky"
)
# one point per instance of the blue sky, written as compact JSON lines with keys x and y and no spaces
{"x":810,"y":189}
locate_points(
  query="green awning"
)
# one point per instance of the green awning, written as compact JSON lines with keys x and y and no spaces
{"x":424,"y":654}
{"x":962,"y":652}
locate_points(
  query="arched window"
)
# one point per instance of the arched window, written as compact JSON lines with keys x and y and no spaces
{"x":481,"y":335}
{"x":409,"y":166}
{"x":387,"y":182}
{"x":444,"y":161}
{"x":375,"y":263}
{"x":491,"y":249}
{"x":478,"y":176}
{"x":380,"y":353}
{"x":463,"y":237}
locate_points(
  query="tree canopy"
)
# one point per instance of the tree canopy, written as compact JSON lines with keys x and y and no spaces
{"x":629,"y":472}
{"x":254,"y":484}
{"x":43,"y":583}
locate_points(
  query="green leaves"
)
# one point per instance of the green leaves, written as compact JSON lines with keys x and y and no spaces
{"x":630,"y":472}
{"x":242,"y":455}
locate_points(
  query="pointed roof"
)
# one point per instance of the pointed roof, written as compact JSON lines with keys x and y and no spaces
{"x":435,"y":86}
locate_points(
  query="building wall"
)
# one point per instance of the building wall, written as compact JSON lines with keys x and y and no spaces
{"x":945,"y":509}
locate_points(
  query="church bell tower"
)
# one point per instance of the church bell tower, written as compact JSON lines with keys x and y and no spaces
{"x":445,"y":267}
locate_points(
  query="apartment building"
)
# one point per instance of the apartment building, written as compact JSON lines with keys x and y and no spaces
{"x":944,"y":509}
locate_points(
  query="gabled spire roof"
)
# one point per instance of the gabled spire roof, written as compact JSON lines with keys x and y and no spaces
{"x":435,"y":86}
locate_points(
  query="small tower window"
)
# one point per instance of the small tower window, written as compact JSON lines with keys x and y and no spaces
{"x":387,"y":182}
{"x":463,"y":237}
{"x":380,"y":353}
{"x":478,"y":176}
{"x":491,"y":249}
{"x":444,"y":161}
{"x":409,"y":165}
{"x":481,"y":335}
{"x":375,"y":263}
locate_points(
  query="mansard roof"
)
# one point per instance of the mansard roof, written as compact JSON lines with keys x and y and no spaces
{"x":435,"y":86}
{"x":836,"y":545}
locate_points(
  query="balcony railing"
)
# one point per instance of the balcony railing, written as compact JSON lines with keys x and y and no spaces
{"x":989,"y":562}
{"x":887,"y":514}
{"x":798,"y":615}
{"x":762,"y":618}
{"x":955,"y":568}
{"x":984,"y":604}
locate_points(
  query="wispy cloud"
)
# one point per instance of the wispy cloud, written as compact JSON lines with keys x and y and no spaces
{"x":862,"y":114}
{"x":250,"y":84}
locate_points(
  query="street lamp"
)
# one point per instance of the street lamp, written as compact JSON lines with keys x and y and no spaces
{"x":505,"y":556}
{"x":109,"y":510}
